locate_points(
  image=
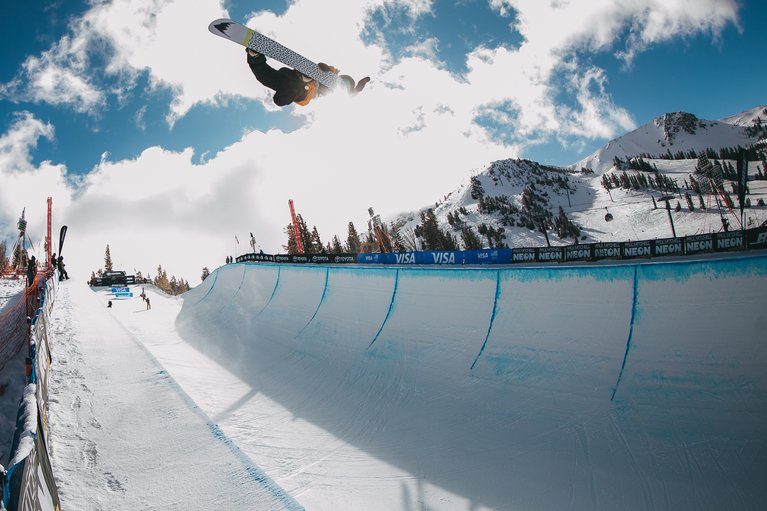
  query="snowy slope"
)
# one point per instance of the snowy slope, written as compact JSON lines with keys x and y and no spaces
{"x":678,"y":131}
{"x":586,"y":202}
{"x":123,"y":434}
{"x":747,"y":118}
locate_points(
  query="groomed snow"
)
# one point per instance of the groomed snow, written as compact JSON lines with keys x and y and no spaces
{"x":610,"y":387}
{"x":123,"y":434}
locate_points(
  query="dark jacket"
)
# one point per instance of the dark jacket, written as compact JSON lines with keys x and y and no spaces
{"x":286,"y":82}
{"x":31,"y":270}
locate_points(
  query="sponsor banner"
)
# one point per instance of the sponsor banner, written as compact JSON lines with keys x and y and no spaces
{"x":734,"y":240}
{"x":400,"y":258}
{"x":443,"y":257}
{"x":524,"y":255}
{"x":757,"y":238}
{"x":579,"y":252}
{"x":343,"y":258}
{"x":550,"y":254}
{"x":632,"y":249}
{"x":492,"y":256}
{"x":370,"y":258}
{"x":430,"y":258}
{"x":699,"y":243}
{"x":121,"y":290}
{"x":668,"y":246}
{"x":42,"y":363}
{"x":319,"y":258}
{"x":607,"y":251}
{"x":301,"y":258}
{"x":36,"y":489}
{"x":255,"y":258}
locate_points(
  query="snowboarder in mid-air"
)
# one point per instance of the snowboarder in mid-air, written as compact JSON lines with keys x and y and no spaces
{"x":290,"y":86}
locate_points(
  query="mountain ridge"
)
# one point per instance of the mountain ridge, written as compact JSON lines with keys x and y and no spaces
{"x":527,"y":203}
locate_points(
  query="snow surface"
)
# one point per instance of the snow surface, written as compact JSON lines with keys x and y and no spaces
{"x":591,"y":387}
{"x":123,"y":434}
{"x":747,"y":118}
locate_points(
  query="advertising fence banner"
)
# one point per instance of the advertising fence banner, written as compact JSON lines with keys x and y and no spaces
{"x":29,"y":484}
{"x":688,"y":245}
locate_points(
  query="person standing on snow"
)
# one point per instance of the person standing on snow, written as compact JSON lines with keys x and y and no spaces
{"x":31,"y":270}
{"x":62,"y":272}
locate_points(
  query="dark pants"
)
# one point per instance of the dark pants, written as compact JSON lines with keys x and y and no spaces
{"x":285,"y":82}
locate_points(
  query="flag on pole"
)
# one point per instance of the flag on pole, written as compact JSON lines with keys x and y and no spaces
{"x":62,"y":235}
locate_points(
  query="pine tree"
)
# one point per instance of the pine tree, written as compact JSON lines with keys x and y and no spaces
{"x":476,"y":188}
{"x":161,"y":280}
{"x":470,"y":239}
{"x":430,"y":232}
{"x":107,"y":260}
{"x":336,"y":248}
{"x":3,"y":256}
{"x":316,"y":242}
{"x":353,"y":245}
{"x":291,"y":247}
{"x":690,"y":205}
{"x":395,"y":236}
{"x":306,"y":237}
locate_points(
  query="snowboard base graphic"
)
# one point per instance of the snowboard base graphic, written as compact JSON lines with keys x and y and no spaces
{"x":240,"y":34}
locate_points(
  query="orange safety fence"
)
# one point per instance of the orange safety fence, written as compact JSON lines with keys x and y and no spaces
{"x":14,"y":326}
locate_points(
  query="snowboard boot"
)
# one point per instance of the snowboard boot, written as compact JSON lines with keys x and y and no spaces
{"x":326,"y":68}
{"x":252,"y":53}
{"x":361,"y":84}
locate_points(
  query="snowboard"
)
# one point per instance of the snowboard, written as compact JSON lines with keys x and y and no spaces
{"x":240,"y":34}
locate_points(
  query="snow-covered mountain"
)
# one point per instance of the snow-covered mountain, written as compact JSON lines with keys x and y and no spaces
{"x":675,"y":132}
{"x":748,"y":118}
{"x":521,"y":196}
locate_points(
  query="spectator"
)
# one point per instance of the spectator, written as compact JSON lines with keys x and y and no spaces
{"x":62,"y":272}
{"x":148,"y":305}
{"x":31,"y":270}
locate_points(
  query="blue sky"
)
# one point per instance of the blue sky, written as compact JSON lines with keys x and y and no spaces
{"x":87,"y":88}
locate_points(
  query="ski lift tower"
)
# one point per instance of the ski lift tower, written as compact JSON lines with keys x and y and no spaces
{"x":21,"y":244}
{"x":375,"y":225}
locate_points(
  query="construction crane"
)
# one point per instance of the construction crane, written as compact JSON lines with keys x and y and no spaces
{"x":296,"y":231}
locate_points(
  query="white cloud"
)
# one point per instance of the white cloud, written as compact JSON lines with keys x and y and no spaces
{"x":558,"y":26}
{"x":553,"y":30}
{"x":409,"y":137}
{"x":22,"y":183}
{"x":58,"y":76}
